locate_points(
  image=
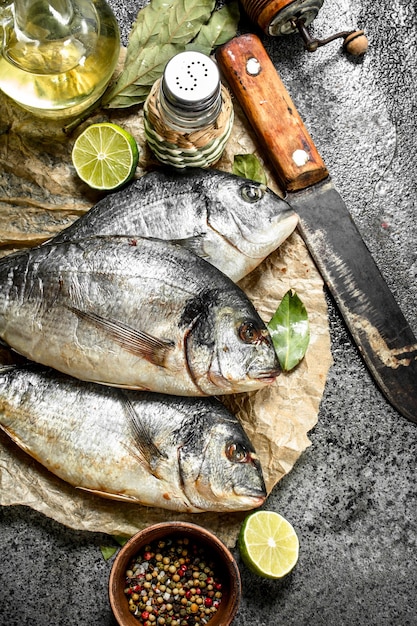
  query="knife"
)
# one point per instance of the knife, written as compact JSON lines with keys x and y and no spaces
{"x":374,"y":319}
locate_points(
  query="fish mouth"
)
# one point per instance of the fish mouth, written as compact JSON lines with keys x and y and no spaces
{"x":267,"y":377}
{"x":252,"y":501}
{"x":259,"y":245}
{"x":252,"y":493}
{"x":280,"y":229}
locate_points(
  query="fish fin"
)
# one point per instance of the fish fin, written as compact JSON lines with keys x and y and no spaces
{"x":134,"y":341}
{"x":17,"y":440}
{"x":143,"y":441}
{"x":194,"y":244}
{"x":110,"y":496}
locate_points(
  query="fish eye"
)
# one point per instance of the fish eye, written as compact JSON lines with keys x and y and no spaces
{"x":249,"y":333}
{"x":252,"y":193}
{"x":237,"y":453}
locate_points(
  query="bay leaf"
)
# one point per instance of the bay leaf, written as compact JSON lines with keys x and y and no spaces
{"x":289,"y":330}
{"x":147,"y":26}
{"x":108,"y":551}
{"x":221,"y":27}
{"x":249,"y":166}
{"x":137,"y":79}
{"x":186,"y":17}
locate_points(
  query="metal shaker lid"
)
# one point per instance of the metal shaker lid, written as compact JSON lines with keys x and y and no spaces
{"x":191,"y":82}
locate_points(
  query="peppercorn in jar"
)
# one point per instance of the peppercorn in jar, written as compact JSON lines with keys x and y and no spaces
{"x":173,"y":582}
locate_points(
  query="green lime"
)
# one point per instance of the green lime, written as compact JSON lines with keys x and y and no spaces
{"x":105,"y":156}
{"x":268,"y":544}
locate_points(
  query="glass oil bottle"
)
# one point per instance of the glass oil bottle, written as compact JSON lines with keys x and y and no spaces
{"x":57,"y":56}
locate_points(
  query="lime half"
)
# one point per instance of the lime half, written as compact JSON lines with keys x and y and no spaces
{"x":268,"y":544}
{"x":105,"y":156}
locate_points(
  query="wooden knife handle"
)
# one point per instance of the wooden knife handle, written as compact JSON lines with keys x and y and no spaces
{"x":254,"y":80}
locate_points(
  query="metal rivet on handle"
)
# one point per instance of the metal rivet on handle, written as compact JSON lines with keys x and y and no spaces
{"x":300,"y":157}
{"x":253,"y":67}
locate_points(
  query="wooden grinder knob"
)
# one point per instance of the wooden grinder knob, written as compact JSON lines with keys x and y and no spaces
{"x":356,"y":43}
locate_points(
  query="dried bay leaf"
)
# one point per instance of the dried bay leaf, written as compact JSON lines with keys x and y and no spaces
{"x":290,"y":332}
{"x":108,"y":551}
{"x":133,"y":85}
{"x":185,"y":19}
{"x":147,"y":26}
{"x":220,"y":28}
{"x":249,"y":166}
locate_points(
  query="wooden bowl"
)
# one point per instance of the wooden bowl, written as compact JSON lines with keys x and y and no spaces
{"x":225,"y":567}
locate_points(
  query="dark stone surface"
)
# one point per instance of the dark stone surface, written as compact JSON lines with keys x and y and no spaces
{"x":352,"y":495}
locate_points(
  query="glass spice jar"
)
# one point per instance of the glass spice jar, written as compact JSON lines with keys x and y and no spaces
{"x":188,"y":115}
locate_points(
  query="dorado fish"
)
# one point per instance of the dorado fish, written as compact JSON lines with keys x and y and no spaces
{"x":232,"y":222}
{"x":185,"y":454}
{"x":141,"y":314}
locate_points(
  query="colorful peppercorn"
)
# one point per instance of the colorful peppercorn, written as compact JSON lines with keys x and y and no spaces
{"x":171,"y":583}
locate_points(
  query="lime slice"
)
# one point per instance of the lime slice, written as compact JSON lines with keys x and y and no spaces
{"x":105,"y":156}
{"x":268,"y":544}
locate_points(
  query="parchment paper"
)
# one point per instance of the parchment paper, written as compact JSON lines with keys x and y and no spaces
{"x":39,"y":195}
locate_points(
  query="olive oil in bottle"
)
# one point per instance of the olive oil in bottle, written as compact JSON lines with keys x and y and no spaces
{"x":57,"y":56}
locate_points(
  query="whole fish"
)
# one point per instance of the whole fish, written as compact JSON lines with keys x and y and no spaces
{"x":184,"y":454}
{"x":143,"y":315}
{"x":232,"y":222}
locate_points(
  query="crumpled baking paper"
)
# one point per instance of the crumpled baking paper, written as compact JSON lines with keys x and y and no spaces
{"x":40,"y":195}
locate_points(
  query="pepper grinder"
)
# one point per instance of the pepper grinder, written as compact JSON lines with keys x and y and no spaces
{"x":188,"y":115}
{"x":283,"y":17}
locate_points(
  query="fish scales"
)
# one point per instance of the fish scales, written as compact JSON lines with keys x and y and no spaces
{"x":232,"y":222}
{"x":183,"y":454}
{"x":144,"y":315}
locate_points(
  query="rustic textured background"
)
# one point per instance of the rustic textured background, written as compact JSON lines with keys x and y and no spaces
{"x":352,"y":494}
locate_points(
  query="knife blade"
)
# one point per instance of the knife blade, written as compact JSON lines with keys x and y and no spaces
{"x":373,"y":317}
